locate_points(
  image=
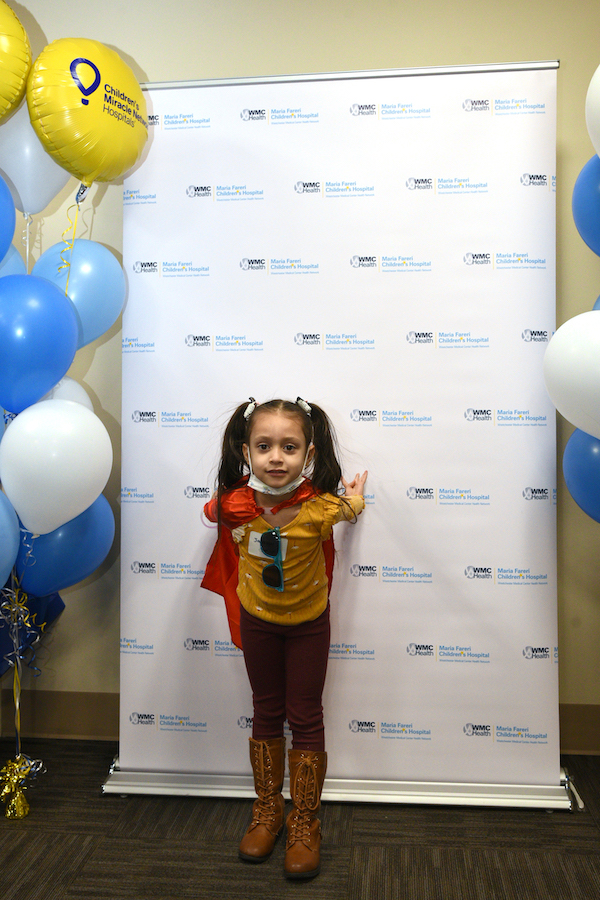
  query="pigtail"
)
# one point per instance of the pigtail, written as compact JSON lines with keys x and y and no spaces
{"x":327,"y":472}
{"x":233,"y":465}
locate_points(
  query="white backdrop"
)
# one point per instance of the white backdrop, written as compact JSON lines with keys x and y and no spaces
{"x":383,"y":244}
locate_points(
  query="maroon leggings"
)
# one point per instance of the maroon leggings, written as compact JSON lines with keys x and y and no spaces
{"x":286,"y":666}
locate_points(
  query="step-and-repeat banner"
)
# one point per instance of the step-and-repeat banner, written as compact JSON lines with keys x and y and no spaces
{"x":383,"y":244}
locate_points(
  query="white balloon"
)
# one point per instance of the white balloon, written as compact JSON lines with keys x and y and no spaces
{"x":572,"y":371}
{"x":69,"y":389}
{"x":33,"y":178}
{"x":55,"y":460}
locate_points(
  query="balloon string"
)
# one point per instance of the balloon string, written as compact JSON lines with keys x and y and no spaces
{"x":25,"y":238}
{"x":69,"y":244}
{"x":17,"y":702}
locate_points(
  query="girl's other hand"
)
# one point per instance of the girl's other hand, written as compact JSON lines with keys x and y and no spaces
{"x":356,"y":486}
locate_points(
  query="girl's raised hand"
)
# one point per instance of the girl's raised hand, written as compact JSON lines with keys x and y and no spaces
{"x":356,"y":486}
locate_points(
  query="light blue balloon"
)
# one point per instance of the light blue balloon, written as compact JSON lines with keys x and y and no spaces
{"x":13,"y":263}
{"x":9,"y":538}
{"x":8,"y":218}
{"x":60,"y":558}
{"x":596,"y":304}
{"x":96,"y":284}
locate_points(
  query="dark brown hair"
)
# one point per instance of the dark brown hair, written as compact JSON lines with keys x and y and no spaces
{"x":317,"y":429}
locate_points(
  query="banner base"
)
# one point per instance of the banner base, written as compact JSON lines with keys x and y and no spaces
{"x":551,"y":797}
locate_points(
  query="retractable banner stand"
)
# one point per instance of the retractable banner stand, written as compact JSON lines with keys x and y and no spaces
{"x":383,"y":244}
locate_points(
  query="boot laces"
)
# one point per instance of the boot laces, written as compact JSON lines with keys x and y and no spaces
{"x":265,"y":810}
{"x":306,"y":803}
{"x":306,"y":793}
{"x":299,"y":827}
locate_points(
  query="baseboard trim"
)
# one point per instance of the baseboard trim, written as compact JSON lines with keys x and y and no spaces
{"x":62,"y":714}
{"x":95,"y":716}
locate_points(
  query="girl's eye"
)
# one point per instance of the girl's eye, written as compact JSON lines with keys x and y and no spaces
{"x":263,"y":447}
{"x":290,"y":448}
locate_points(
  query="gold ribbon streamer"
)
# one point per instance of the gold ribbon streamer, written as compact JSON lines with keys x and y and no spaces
{"x":15,"y":613}
{"x":12,"y":778}
{"x":12,"y":784}
{"x":69,"y":245}
{"x":79,"y":198}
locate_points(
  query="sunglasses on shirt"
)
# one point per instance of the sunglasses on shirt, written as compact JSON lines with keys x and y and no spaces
{"x":270,"y":544}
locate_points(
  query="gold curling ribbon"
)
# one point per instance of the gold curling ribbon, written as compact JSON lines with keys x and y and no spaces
{"x":12,"y":779}
{"x":14,"y":774}
{"x":69,"y":244}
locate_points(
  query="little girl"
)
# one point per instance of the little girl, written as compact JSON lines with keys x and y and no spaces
{"x":273,"y":564}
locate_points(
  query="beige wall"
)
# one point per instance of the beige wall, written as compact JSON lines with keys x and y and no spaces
{"x":195,"y":39}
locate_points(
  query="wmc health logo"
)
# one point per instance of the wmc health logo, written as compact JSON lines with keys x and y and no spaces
{"x":536,"y":652}
{"x":477,"y":730}
{"x":485,"y":572}
{"x":140,"y":416}
{"x":307,"y":340}
{"x":358,"y":727}
{"x":535,"y":336}
{"x":528,"y":180}
{"x":146,"y":268}
{"x":476,"y":105}
{"x":137,"y":718}
{"x":307,"y":187}
{"x":196,"y":191}
{"x":419,"y":184}
{"x":197,"y":340}
{"x":363,"y":415}
{"x":420,"y":650}
{"x":363,"y":571}
{"x":195,"y":644}
{"x":143,"y":568}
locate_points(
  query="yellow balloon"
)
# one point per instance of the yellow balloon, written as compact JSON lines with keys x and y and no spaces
{"x":87,"y":108}
{"x":15,"y":60}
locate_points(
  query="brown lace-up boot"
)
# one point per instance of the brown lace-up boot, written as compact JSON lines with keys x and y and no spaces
{"x":307,"y":774}
{"x":268,"y":760}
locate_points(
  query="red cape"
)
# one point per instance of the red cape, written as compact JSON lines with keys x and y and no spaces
{"x":238,"y":506}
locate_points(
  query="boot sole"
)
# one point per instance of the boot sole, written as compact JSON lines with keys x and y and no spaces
{"x":298,"y":876}
{"x":254,"y":859}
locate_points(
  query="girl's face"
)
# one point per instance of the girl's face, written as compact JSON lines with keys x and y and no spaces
{"x":277,"y":448}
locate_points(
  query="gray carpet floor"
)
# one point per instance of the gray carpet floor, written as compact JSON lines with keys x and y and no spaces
{"x":77,"y":844}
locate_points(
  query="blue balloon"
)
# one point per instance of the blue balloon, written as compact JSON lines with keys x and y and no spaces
{"x":96,"y":284}
{"x":13,"y":263}
{"x":586,"y":204}
{"x":596,"y":304}
{"x":9,"y":538}
{"x":60,"y":558}
{"x":8,"y":218}
{"x":38,"y":339}
{"x":581,"y":468}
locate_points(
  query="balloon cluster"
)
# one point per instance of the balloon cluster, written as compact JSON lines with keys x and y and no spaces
{"x":572,"y":359}
{"x":76,"y":110}
{"x":84,"y":115}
